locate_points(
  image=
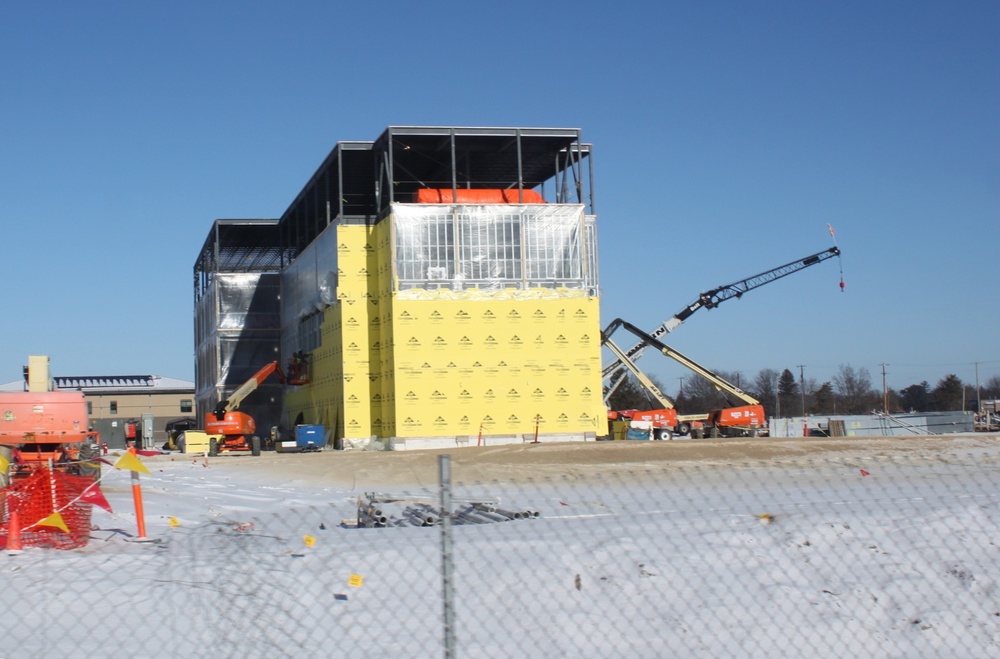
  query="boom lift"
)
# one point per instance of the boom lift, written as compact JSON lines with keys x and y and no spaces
{"x":632,"y":424}
{"x":746,"y":420}
{"x":710,"y":299}
{"x":232,"y":430}
{"x":40,"y":426}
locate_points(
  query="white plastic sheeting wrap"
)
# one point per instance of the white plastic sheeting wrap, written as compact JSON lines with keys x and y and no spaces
{"x":236,"y":327}
{"x":308,"y":286}
{"x":236,"y":333}
{"x":494,"y":246}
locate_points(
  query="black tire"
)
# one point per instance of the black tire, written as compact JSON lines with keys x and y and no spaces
{"x":752,"y":432}
{"x":663,"y":434}
{"x":698,"y":433}
{"x":714,"y":432}
{"x":213,"y":446}
{"x":254,"y":445}
{"x":683,"y":428}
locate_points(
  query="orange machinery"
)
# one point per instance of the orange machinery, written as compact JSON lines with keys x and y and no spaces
{"x":232,"y":430}
{"x":736,"y":421}
{"x":632,"y":424}
{"x":39,"y":426}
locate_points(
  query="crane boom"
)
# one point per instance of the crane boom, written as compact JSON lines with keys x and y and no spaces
{"x":651,"y":341}
{"x":245,"y":389}
{"x":709,"y":300}
{"x":642,"y":377}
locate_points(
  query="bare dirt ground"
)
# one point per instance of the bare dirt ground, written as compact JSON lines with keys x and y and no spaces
{"x":517,"y":463}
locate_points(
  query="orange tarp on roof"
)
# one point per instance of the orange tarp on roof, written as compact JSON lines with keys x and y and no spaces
{"x":467,"y":196}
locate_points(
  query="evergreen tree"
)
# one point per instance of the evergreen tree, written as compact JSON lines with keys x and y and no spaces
{"x":915,"y":398}
{"x":823,"y":400}
{"x":631,"y":395}
{"x":788,"y":394}
{"x":947,"y":395}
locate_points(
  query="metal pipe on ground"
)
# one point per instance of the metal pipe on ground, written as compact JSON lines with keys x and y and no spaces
{"x":493,"y":517}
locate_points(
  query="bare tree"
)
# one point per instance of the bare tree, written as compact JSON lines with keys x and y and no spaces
{"x":991,"y":388}
{"x":765,"y":389}
{"x":700,"y":395}
{"x":854,"y":387}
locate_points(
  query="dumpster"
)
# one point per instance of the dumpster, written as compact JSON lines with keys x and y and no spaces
{"x":307,"y":438}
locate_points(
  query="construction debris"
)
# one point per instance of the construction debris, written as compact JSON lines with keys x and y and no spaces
{"x":380,"y":511}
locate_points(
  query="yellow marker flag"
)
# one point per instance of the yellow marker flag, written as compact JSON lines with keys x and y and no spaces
{"x":4,"y":463}
{"x":309,"y":540}
{"x":174,"y":523}
{"x":130,"y":462}
{"x":356,"y":580}
{"x":55,"y":520}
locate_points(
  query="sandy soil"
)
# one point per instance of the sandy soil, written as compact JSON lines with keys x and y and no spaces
{"x":522,"y":462}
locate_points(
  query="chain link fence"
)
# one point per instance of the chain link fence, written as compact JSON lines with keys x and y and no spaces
{"x":883,"y":553}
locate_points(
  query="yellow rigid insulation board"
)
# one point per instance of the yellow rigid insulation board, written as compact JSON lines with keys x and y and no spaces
{"x":499,"y":363}
{"x":440,"y":364}
{"x":339,"y":393}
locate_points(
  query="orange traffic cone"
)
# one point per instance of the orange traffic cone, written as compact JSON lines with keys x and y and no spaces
{"x":14,"y":533}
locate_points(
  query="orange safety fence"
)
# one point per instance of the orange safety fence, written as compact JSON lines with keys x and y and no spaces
{"x":51,"y":510}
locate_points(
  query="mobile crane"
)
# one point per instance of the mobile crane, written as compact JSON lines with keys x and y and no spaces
{"x":232,"y":430}
{"x":710,"y":299}
{"x":745,"y":420}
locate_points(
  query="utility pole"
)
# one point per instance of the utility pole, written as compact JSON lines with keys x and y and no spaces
{"x":979,"y":394}
{"x":885,"y":392}
{"x":802,"y":387}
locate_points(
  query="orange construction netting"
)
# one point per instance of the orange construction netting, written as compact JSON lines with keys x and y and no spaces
{"x":50,"y":512}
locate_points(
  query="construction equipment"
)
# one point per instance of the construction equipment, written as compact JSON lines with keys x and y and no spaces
{"x":710,"y":299}
{"x":40,"y":426}
{"x":745,"y":420}
{"x":176,"y":430}
{"x":636,"y":424}
{"x":232,"y":430}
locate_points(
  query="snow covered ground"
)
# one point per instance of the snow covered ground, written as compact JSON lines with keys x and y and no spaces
{"x":884,"y":550}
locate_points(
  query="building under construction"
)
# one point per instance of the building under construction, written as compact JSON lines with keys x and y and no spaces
{"x":438,"y":285}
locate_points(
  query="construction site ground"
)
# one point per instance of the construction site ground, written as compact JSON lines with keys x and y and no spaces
{"x":364,"y":470}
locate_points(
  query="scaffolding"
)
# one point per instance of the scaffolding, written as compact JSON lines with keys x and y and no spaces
{"x":237,"y":304}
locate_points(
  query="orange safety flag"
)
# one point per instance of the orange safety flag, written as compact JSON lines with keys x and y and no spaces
{"x":55,"y":520}
{"x":130,"y":462}
{"x":93,"y":495}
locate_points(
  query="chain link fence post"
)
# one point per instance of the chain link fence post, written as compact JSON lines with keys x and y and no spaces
{"x":447,"y":564}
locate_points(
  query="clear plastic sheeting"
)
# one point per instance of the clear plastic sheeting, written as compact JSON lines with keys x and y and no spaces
{"x":308,"y":285}
{"x":248,"y":301}
{"x":241,"y":311}
{"x":237,"y":325}
{"x":494,"y":247}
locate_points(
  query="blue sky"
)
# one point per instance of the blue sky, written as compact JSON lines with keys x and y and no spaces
{"x":726,"y":136}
